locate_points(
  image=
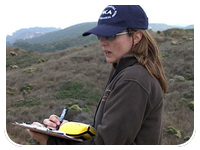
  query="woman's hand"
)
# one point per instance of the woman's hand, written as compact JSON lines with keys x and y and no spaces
{"x":53,"y":121}
{"x":42,"y":138}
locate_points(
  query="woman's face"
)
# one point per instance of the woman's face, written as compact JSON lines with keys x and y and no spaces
{"x":114,"y":50}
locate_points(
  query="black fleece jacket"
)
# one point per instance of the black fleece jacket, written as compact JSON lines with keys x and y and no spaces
{"x":130,"y":109}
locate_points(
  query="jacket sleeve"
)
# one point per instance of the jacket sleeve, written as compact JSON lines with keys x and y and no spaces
{"x":123,"y":114}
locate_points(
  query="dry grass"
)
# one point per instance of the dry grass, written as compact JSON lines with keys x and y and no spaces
{"x":42,"y":84}
{"x":179,"y":66}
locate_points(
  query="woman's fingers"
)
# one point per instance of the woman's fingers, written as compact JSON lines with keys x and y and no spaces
{"x":52,"y":122}
{"x":55,"y":118}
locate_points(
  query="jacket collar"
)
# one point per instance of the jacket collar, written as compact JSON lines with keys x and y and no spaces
{"x":124,"y":62}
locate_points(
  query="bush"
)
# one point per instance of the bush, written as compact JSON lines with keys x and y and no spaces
{"x":78,"y":90}
{"x":75,"y":107}
{"x":30,"y":70}
{"x":26,"y":88}
{"x":191,"y":105}
{"x":26,"y":103}
{"x":174,"y":131}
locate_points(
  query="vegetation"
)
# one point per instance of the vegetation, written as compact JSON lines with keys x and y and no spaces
{"x":56,"y":45}
{"x":70,"y":32}
{"x":41,"y":84}
{"x":53,"y":41}
{"x":72,"y":37}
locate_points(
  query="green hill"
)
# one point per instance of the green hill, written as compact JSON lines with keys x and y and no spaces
{"x":58,"y":40}
{"x":56,"y":45}
{"x":66,"y":38}
{"x":70,"y":32}
{"x":41,"y":84}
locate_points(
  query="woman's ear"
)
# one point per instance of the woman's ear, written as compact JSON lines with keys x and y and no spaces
{"x":137,"y":36}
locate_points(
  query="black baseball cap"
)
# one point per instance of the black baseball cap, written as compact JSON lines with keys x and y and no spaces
{"x":117,"y":18}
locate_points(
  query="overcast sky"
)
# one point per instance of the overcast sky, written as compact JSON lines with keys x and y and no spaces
{"x":19,"y":14}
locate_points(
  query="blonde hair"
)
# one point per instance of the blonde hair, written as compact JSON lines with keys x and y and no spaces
{"x":147,"y":54}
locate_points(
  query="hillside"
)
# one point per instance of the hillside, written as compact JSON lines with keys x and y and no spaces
{"x":69,"y":32}
{"x":41,"y":84}
{"x":58,"y":40}
{"x":68,"y":37}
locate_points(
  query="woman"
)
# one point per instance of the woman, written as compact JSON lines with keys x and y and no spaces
{"x":130,"y":110}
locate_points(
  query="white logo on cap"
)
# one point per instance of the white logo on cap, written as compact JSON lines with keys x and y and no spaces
{"x":108,"y":12}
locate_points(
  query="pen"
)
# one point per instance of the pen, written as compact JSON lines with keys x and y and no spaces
{"x":62,"y":116}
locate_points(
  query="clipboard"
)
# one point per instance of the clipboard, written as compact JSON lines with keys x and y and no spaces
{"x":47,"y":131}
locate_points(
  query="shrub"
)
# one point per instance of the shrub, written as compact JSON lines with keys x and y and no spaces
{"x":26,"y":88}
{"x":174,"y":43}
{"x":13,"y":53}
{"x":10,"y":91}
{"x":14,"y":66}
{"x":75,"y":107}
{"x":179,"y":78}
{"x":174,"y":131}
{"x":42,"y":60}
{"x":186,"y":138}
{"x":30,"y":70}
{"x":78,"y":90}
{"x":191,"y":105}
{"x":26,"y":103}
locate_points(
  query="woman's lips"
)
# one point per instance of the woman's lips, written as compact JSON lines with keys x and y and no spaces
{"x":107,"y":53}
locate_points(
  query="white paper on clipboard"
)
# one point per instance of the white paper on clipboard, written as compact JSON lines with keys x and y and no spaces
{"x":46,"y":131}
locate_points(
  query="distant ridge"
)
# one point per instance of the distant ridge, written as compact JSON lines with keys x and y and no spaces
{"x":60,"y":39}
{"x":28,"y":33}
{"x":38,"y":35}
{"x":70,"y":32}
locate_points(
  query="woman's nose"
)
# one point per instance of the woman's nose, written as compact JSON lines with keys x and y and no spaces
{"x":103,"y":41}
